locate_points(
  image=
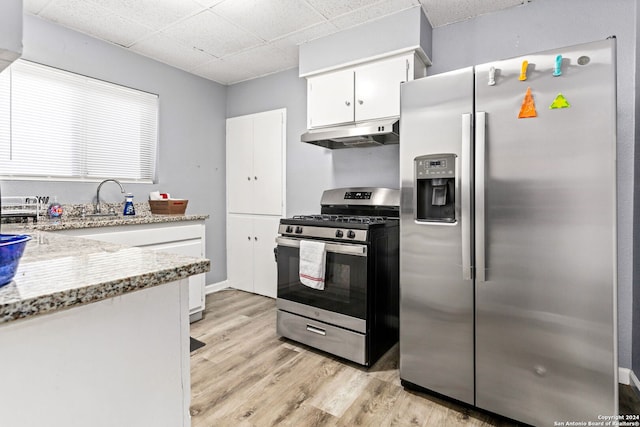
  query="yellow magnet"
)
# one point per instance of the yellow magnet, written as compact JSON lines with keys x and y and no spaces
{"x":528,"y":109}
{"x":523,"y":71}
{"x":559,"y":102}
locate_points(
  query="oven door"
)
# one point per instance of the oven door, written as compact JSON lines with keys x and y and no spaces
{"x":345,"y":289}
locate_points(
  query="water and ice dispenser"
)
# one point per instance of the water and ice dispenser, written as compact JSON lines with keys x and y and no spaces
{"x":435,"y":188}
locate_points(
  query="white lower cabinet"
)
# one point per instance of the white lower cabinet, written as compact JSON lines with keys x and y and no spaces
{"x":184,"y":238}
{"x":251,"y":264}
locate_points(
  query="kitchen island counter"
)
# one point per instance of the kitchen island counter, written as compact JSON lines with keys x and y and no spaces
{"x":95,"y":333}
{"x":58,"y":272}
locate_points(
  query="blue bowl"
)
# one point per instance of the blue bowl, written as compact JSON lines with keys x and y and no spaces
{"x":11,"y":249}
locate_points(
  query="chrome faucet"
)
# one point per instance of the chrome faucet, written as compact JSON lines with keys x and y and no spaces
{"x":97,"y":209}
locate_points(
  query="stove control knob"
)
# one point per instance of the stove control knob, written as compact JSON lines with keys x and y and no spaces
{"x":339,"y":233}
{"x":351,"y":234}
{"x":298,"y":230}
{"x":289,"y":229}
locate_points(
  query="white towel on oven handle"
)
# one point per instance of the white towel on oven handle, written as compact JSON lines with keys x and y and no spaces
{"x":313,"y":257}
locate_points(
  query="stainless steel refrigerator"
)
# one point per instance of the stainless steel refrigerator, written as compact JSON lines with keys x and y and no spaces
{"x":508,"y":235}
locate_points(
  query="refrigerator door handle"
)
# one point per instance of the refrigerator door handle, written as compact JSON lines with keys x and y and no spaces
{"x":465,"y":202}
{"x":480,"y":194}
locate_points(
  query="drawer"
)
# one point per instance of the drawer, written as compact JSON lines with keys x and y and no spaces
{"x":341,"y":342}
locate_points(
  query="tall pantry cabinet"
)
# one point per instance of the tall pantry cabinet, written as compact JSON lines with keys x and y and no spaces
{"x":255,"y":198}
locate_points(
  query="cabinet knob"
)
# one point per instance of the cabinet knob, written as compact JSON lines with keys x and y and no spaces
{"x":255,"y":177}
{"x":347,"y":103}
{"x":248,"y":178}
{"x":360,"y":101}
{"x":248,"y":237}
{"x":255,"y":238}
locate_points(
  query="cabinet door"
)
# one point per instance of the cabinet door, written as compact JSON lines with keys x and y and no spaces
{"x":196,"y":283}
{"x":240,"y":239}
{"x":377,"y":89}
{"x":265,"y":276}
{"x":240,"y":165}
{"x":330,"y":98}
{"x":267,"y":163}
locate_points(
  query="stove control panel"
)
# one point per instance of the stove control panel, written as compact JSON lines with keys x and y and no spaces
{"x":357,"y":195}
{"x":328,"y":233}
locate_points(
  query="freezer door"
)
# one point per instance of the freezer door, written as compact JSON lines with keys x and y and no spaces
{"x":546,"y":237}
{"x":436,"y":290}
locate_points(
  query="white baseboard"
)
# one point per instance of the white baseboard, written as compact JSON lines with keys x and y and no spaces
{"x":635,"y":382}
{"x":624,"y":375}
{"x":215,"y":287}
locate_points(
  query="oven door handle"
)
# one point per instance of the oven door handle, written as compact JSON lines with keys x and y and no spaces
{"x":345,"y":249}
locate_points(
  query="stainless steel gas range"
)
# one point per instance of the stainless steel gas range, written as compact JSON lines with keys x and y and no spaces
{"x":355,"y":316}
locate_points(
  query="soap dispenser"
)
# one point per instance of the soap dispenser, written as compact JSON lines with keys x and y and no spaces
{"x":128,"y":205}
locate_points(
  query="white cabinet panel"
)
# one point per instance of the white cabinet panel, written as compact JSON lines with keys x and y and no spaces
{"x":251,"y":264}
{"x":240,"y":165}
{"x":240,"y":252}
{"x":267,"y":163}
{"x":330,"y":98}
{"x":360,"y":93}
{"x":265,"y":274}
{"x":255,"y":147}
{"x":378,"y":89}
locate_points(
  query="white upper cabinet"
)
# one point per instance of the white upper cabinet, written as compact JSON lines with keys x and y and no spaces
{"x":377,"y":93}
{"x":360,"y":93}
{"x":330,"y":98}
{"x":254,"y":163}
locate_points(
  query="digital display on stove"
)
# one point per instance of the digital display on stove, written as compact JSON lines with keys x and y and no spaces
{"x":357,"y":195}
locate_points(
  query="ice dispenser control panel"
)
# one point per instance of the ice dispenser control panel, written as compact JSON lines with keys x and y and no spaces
{"x":435,"y":168}
{"x":435,"y":178}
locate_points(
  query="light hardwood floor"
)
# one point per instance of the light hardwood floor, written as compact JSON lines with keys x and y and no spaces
{"x":246,"y":375}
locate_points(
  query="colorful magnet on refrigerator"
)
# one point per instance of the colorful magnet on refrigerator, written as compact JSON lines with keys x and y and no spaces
{"x":557,"y":70}
{"x":528,"y":109}
{"x":523,"y":71}
{"x":559,"y":102}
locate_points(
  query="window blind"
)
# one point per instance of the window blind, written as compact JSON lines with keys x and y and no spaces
{"x":57,"y":124}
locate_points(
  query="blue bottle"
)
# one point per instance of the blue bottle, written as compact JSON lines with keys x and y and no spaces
{"x":128,"y":205}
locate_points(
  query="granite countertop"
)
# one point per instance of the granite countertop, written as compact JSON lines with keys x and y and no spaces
{"x":73,"y":218}
{"x":58,"y":272}
{"x":89,"y":222}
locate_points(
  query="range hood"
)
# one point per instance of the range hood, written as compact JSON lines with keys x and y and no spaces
{"x":368,"y":134}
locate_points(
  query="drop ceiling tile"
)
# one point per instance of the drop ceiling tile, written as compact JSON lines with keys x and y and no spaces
{"x":94,"y":20}
{"x":460,"y":10}
{"x":251,"y":63}
{"x":212,"y":34}
{"x":155,"y":14}
{"x":34,"y":6}
{"x":333,"y":8}
{"x":373,"y":12}
{"x":269,"y":19}
{"x":271,"y":59}
{"x":208,"y":3}
{"x":311,"y":33}
{"x":170,"y":51}
{"x":223,"y":72}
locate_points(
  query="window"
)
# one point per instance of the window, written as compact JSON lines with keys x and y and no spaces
{"x":59,"y":125}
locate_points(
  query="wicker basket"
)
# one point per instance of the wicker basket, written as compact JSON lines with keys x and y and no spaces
{"x":168,"y":207}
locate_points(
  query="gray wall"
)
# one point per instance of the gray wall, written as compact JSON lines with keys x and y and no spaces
{"x":308,"y":166}
{"x":546,"y":24}
{"x":191,"y":128}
